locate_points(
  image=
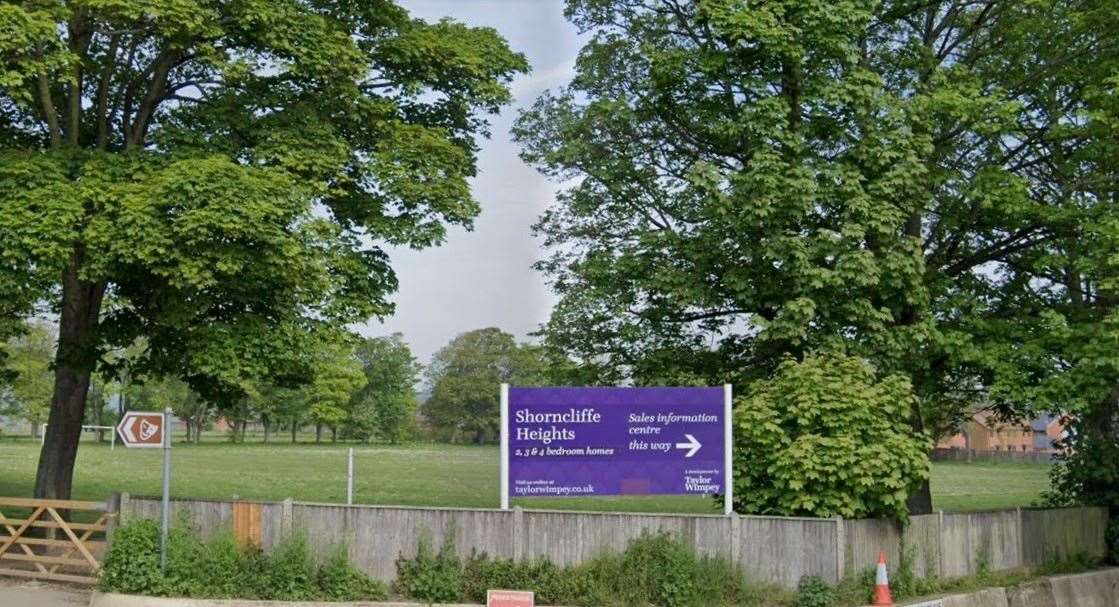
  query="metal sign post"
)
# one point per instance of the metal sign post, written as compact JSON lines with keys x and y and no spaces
{"x":728,"y":449}
{"x":504,"y":446}
{"x":151,"y":429}
{"x":350,"y":478}
{"x":165,"y":510}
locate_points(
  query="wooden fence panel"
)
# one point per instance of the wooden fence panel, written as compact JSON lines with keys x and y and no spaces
{"x":246,"y":524}
{"x":66,"y":552}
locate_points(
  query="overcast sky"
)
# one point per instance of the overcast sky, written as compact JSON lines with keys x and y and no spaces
{"x":483,"y":278}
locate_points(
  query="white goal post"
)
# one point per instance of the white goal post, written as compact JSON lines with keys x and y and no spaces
{"x":112,"y":434}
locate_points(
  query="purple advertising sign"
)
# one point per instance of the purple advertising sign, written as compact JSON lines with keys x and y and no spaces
{"x":566,"y":442}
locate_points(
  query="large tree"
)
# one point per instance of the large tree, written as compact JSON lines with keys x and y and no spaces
{"x":751,"y":180}
{"x":218,"y":177}
{"x":1081,"y":332}
{"x":27,"y":393}
{"x":464,"y":380}
{"x":386,"y":405}
{"x":329,"y":396}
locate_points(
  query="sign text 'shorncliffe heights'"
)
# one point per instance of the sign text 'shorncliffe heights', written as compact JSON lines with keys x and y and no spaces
{"x":561,"y":442}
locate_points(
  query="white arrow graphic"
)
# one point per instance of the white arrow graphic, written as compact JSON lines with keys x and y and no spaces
{"x":126,"y":429}
{"x":693,"y":445}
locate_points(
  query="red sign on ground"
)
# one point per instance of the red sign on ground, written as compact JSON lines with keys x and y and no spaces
{"x":510,"y":598}
{"x":141,"y":429}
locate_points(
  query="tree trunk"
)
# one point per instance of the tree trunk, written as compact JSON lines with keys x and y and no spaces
{"x":74,"y":363}
{"x":199,"y":419}
{"x":318,"y":433}
{"x":920,"y":501}
{"x":100,"y":417}
{"x":333,"y":434}
{"x":189,"y":428}
{"x":267,"y":429}
{"x":294,"y":429}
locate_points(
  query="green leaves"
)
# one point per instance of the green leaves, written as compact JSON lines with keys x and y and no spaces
{"x":30,"y":48}
{"x":826,"y":437}
{"x":928,"y":186}
{"x":385,"y":406}
{"x":739,"y":179}
{"x":28,"y":393}
{"x":464,"y":376}
{"x":470,"y":66}
{"x":227,"y":173}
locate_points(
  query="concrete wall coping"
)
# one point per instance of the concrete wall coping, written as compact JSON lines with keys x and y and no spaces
{"x":1098,"y":588}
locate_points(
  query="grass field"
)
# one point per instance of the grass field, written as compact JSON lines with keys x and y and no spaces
{"x":418,"y":475}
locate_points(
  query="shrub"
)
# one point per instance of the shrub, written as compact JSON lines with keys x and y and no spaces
{"x":655,"y":569}
{"x":436,"y":578}
{"x":855,"y":589}
{"x":548,"y":582}
{"x":719,"y":582}
{"x":185,"y":556}
{"x":219,"y":569}
{"x":813,"y":591}
{"x":132,"y":564}
{"x":592,"y":583}
{"x":826,"y":437}
{"x":288,"y":574}
{"x":223,"y":568}
{"x":658,"y":569}
{"x":338,"y":580}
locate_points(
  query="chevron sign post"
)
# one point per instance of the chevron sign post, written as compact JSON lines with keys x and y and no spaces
{"x":587,"y":441}
{"x":151,"y":429}
{"x":141,"y":429}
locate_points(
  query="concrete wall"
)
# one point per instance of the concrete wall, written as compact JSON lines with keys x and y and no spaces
{"x":777,"y":550}
{"x":959,"y":544}
{"x":1093,"y":589}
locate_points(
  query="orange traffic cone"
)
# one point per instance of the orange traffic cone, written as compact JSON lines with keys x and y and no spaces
{"x":882,"y":583}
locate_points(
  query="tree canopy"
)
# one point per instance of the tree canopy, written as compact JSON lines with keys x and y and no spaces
{"x":27,"y":393}
{"x":915,"y":183}
{"x":386,"y":405}
{"x":463,"y":381}
{"x":219,"y":178}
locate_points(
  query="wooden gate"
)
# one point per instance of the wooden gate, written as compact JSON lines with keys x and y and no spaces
{"x":66,"y":552}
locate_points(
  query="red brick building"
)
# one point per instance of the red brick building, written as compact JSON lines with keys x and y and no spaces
{"x":983,"y":431}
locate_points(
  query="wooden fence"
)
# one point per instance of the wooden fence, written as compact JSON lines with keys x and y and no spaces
{"x":64,"y":551}
{"x":771,"y":549}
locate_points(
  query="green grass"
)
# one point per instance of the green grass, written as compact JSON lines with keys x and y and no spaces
{"x":987,"y":485}
{"x":416,"y":475}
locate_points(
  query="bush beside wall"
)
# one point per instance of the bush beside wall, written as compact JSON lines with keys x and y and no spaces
{"x":219,"y":569}
{"x":655,"y":569}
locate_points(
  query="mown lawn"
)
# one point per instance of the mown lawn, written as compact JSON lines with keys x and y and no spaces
{"x":987,"y":485}
{"x":418,"y":475}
